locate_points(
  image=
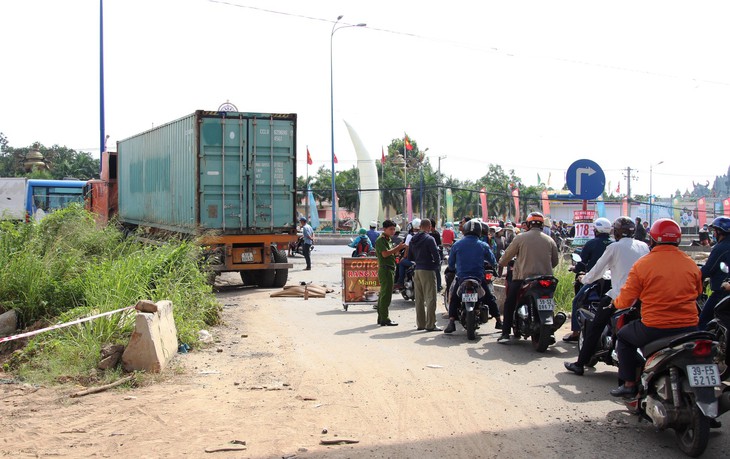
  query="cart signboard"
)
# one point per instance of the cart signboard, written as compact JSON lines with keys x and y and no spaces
{"x":360,"y":281}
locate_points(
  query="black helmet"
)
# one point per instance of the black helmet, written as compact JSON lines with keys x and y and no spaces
{"x":473,"y":227}
{"x":623,"y":227}
{"x":485,"y":228}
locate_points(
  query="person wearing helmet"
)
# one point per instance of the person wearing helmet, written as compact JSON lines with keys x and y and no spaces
{"x":308,"y":236}
{"x":373,"y":232}
{"x":590,"y":254}
{"x":640,"y":233}
{"x":618,"y":257}
{"x":720,"y":252}
{"x":405,"y":263}
{"x":448,"y":235}
{"x":361,"y":244}
{"x":467,"y":259}
{"x":536,"y":254}
{"x":668,"y":282}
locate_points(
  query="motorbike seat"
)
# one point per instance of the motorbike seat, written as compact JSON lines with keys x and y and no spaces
{"x":534,"y":278}
{"x":674,"y":340}
{"x":470,"y":280}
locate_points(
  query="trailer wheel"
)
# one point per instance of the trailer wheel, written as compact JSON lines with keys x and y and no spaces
{"x":251,"y":277}
{"x":267,"y":278}
{"x":281,"y":274}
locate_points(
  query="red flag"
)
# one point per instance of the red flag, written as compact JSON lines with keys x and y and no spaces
{"x":335,"y":157}
{"x":382,"y":156}
{"x":409,"y":147}
{"x":618,"y":188}
{"x":309,"y":157}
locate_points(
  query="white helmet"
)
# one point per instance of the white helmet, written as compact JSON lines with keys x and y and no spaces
{"x":603,"y":225}
{"x":416,"y":223}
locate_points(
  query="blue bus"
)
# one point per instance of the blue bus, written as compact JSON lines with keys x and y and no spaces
{"x":44,"y":196}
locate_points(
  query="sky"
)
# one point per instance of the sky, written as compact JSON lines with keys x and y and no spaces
{"x":530,"y":85}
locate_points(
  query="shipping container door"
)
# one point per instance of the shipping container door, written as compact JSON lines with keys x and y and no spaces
{"x":272,"y":182}
{"x":222,"y":172}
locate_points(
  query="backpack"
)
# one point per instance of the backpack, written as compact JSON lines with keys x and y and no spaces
{"x":361,"y":249}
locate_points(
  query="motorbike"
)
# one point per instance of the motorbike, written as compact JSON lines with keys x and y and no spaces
{"x":534,"y":314}
{"x":472,"y":311}
{"x":719,"y":328}
{"x":408,"y":292}
{"x":298,"y":247}
{"x":606,"y":349}
{"x":680,"y":388}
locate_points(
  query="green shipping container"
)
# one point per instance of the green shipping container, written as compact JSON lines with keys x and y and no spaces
{"x":231,"y":172}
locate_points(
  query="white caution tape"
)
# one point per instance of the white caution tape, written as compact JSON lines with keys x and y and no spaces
{"x":67,"y":324}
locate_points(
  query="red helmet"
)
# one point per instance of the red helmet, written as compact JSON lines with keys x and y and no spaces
{"x":535,"y":218}
{"x":666,"y":231}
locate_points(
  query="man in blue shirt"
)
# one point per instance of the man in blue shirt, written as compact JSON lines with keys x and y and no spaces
{"x":308,"y":235}
{"x":711,"y":269}
{"x":467,"y":258}
{"x":373,"y":233}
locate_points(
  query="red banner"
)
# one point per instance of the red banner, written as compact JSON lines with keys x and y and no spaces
{"x":701,"y":212}
{"x":726,"y":206}
{"x":409,"y":207}
{"x":483,"y":198}
{"x":545,"y":203}
{"x":516,"y":196}
{"x":625,"y":206}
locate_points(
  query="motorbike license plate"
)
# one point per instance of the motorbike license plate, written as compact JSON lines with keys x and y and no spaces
{"x":545,"y":304}
{"x":703,"y":375}
{"x":247,"y":257}
{"x":469,"y":297}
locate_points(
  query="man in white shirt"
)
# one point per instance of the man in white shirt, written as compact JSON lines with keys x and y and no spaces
{"x":618,"y":257}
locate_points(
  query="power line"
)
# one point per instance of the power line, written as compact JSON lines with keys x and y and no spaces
{"x":476,"y":47}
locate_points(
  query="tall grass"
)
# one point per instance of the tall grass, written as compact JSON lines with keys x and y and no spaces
{"x":65,"y":267}
{"x":565,"y":292}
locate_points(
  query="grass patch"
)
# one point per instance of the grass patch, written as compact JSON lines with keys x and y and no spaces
{"x":65,"y":267}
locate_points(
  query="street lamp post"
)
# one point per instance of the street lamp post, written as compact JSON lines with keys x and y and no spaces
{"x":651,"y":194}
{"x":438,"y":193}
{"x":332,"y":118}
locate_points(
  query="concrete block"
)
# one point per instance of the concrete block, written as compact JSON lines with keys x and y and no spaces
{"x":8,"y":323}
{"x":154,"y":341}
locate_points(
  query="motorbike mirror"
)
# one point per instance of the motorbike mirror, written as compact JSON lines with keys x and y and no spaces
{"x":723,"y":267}
{"x":576,"y":257}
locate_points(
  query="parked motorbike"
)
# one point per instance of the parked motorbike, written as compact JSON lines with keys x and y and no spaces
{"x":298,"y":246}
{"x":534,"y":315}
{"x":680,"y":388}
{"x":719,"y":328}
{"x":408,"y":292}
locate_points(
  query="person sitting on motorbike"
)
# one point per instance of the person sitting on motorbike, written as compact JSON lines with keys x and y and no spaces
{"x":618,"y":258}
{"x":373,"y":232}
{"x":720,"y":252}
{"x":405,"y":263}
{"x":536,"y":254}
{"x":448,"y":235}
{"x":361,"y":244}
{"x":667,"y":282}
{"x":590,"y":254}
{"x":467,"y":259}
{"x":704,"y":235}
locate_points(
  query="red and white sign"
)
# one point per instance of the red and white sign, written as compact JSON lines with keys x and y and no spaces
{"x":583,"y":222}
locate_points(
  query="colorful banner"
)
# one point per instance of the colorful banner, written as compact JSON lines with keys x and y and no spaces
{"x":600,"y":207}
{"x":313,"y":213}
{"x":583,"y":221}
{"x":516,"y":196}
{"x":625,"y":206}
{"x":360,"y":280}
{"x":483,"y":199}
{"x":449,"y":205}
{"x":726,"y":207}
{"x":701,"y":212}
{"x":676,"y":211}
{"x":409,"y":207}
{"x":545,"y":203}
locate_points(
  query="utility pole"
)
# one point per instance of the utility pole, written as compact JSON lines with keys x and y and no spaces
{"x":628,"y":178}
{"x":438,"y":194}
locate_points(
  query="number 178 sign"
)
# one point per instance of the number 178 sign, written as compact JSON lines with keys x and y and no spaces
{"x":583,"y":221}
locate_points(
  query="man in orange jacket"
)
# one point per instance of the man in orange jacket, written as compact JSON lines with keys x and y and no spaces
{"x":668,"y":283}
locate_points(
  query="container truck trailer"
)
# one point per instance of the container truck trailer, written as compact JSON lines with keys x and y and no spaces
{"x":226,"y":178}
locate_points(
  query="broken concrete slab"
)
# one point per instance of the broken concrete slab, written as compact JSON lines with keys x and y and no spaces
{"x":154,"y":341}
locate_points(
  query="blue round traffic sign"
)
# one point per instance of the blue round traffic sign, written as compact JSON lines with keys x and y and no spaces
{"x":586,"y":179}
